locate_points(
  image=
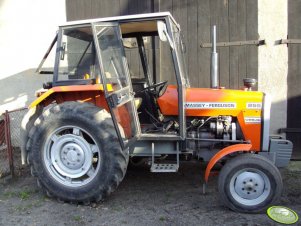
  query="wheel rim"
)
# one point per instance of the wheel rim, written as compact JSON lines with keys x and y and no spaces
{"x":71,"y":156}
{"x":250,"y":187}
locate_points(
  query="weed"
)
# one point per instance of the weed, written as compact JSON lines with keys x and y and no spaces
{"x":77,"y":218}
{"x":162,"y":218}
{"x":24,"y":195}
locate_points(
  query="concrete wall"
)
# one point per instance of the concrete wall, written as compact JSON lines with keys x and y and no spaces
{"x":273,"y":58}
{"x":27,"y":27}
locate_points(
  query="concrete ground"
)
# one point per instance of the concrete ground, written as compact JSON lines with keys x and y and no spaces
{"x":143,"y":198}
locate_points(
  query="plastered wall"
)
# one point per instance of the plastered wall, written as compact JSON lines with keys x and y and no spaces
{"x":26,"y":28}
{"x":273,"y":58}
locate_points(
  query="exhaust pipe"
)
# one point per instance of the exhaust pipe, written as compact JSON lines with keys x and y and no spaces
{"x":214,"y":61}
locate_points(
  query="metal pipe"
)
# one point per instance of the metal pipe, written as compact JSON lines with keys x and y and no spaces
{"x":214,"y":61}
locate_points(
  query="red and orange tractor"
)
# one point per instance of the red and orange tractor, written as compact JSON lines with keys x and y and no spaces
{"x":96,"y":116}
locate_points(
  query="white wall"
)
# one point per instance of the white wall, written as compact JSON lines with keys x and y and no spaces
{"x":273,"y":58}
{"x":27,"y":28}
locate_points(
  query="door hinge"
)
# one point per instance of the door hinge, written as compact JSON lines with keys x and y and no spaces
{"x":113,"y":100}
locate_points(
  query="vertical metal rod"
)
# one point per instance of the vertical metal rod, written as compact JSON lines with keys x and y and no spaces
{"x":153,"y":153}
{"x":178,"y":158}
{"x":8,"y":143}
{"x":214,"y":60}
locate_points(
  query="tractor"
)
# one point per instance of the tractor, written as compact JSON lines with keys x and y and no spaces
{"x":96,"y":116}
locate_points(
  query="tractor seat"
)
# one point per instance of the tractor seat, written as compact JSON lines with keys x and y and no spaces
{"x":138,"y":102}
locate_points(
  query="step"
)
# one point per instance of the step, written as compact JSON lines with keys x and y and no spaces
{"x":164,"y":168}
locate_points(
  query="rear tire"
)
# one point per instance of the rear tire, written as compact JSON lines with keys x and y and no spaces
{"x":26,"y":125}
{"x":75,"y":154}
{"x":249,"y":183}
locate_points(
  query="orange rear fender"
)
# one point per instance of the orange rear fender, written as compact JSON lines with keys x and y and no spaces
{"x":222,"y":153}
{"x":86,"y":93}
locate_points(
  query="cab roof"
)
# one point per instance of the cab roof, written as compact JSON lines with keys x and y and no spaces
{"x":124,"y":19}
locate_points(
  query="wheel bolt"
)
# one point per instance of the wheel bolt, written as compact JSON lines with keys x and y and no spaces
{"x":244,"y":182}
{"x":251,"y":180}
{"x":78,"y":154}
{"x":248,"y":193}
{"x":243,"y":189}
{"x":256,"y":184}
{"x":254,"y":190}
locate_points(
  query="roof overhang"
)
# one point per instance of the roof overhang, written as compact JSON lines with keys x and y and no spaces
{"x":124,"y":19}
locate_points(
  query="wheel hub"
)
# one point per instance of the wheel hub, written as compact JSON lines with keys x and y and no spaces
{"x":249,"y":185}
{"x":71,"y":155}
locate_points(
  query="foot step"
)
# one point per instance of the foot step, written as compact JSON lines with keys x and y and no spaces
{"x":164,"y":168}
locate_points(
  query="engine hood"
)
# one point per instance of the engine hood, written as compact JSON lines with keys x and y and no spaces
{"x":211,"y":102}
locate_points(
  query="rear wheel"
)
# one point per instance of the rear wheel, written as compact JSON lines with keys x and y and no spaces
{"x":26,"y":125}
{"x":75,"y":153}
{"x":249,"y":183}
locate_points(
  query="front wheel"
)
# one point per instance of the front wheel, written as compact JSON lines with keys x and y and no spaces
{"x":249,"y":183}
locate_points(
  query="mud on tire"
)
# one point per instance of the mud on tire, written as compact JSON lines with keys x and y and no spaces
{"x":75,"y":154}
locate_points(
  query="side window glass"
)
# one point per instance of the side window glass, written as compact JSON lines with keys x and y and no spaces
{"x":77,"y":54}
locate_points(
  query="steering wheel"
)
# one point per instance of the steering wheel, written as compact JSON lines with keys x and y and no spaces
{"x":152,"y":88}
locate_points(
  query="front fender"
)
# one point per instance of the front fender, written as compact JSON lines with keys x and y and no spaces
{"x":222,"y":153}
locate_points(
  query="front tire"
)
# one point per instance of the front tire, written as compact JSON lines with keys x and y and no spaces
{"x":75,"y":154}
{"x":249,"y":183}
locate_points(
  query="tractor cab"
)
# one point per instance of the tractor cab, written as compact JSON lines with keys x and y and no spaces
{"x":120,"y":53}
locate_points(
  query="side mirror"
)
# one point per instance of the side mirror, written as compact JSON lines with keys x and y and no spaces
{"x":162,"y":30}
{"x":163,"y":34}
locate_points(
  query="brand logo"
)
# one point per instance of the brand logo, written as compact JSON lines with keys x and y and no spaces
{"x":210,"y":105}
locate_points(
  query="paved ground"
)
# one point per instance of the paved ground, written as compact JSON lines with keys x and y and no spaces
{"x":143,"y":198}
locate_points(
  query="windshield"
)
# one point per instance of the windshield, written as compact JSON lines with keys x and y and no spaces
{"x":112,"y":55}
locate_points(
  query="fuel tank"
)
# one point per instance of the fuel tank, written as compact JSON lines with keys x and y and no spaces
{"x":245,"y":106}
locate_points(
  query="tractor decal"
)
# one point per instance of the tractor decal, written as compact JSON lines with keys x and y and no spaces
{"x":209,"y":105}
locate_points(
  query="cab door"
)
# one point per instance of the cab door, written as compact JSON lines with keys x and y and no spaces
{"x":116,"y":80}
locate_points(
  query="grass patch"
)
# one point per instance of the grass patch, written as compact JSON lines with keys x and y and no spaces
{"x":77,"y":218}
{"x":10,"y":194}
{"x":24,"y":195}
{"x":162,"y":218}
{"x":23,"y":208}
